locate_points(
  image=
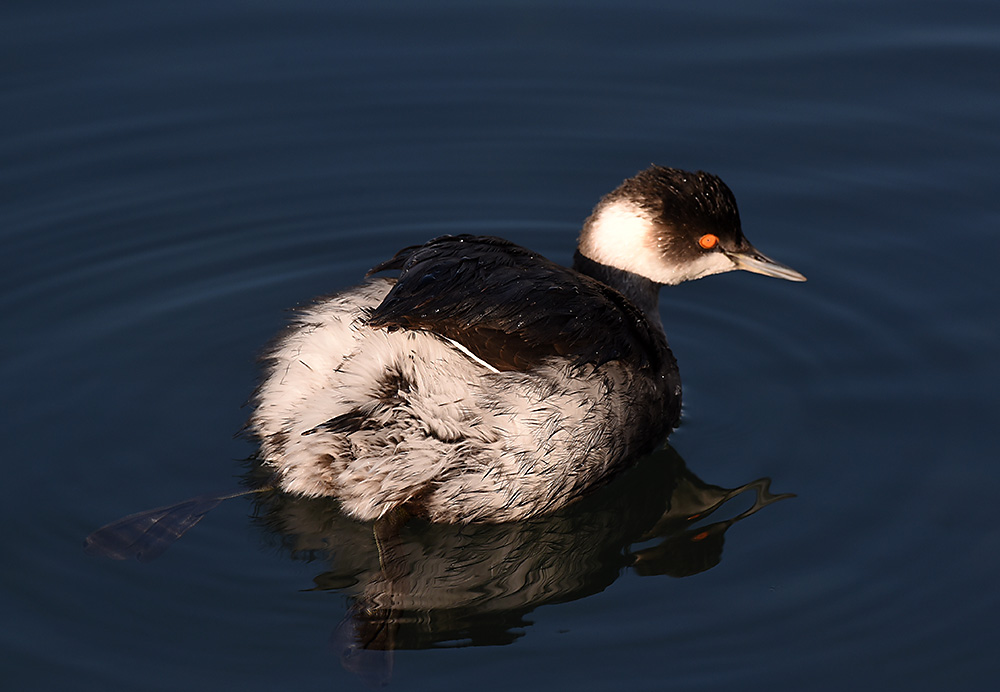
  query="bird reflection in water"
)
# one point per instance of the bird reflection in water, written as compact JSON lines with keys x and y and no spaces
{"x":415,"y":585}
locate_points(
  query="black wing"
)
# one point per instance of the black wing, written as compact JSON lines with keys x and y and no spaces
{"x":511,"y":307}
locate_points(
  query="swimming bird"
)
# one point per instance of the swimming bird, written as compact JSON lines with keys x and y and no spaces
{"x":485,"y":383}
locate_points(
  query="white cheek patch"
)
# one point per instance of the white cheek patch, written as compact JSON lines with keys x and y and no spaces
{"x":623,"y":235}
{"x":706,"y":265}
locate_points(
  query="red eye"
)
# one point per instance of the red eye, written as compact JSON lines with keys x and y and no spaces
{"x":708,"y":241}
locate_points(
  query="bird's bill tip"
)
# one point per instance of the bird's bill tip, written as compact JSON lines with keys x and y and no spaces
{"x":757,"y":262}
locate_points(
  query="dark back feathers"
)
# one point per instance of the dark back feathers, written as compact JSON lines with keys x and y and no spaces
{"x":512,"y":307}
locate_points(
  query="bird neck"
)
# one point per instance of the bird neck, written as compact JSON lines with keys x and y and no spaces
{"x":642,"y":292}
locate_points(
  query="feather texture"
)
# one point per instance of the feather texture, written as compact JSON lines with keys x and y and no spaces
{"x":512,"y":307}
{"x":486,"y":383}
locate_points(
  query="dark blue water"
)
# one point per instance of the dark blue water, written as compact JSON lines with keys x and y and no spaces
{"x":175,"y":175}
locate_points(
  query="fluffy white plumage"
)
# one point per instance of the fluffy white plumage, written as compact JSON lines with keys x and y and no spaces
{"x":487,"y":383}
{"x":442,"y":431}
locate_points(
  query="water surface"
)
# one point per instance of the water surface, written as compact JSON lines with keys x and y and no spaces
{"x":175,"y":176}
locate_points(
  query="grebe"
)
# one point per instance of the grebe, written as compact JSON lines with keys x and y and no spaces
{"x":485,"y":383}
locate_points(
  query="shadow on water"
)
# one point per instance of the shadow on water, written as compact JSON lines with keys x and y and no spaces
{"x":417,"y":585}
